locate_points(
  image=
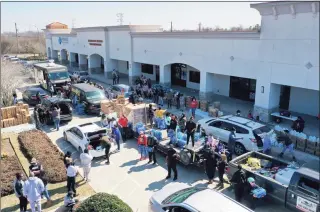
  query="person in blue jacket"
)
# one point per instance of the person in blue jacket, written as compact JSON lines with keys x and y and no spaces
{"x":116,"y":135}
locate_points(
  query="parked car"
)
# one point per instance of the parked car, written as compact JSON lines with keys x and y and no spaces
{"x":29,"y":95}
{"x":179,"y":197}
{"x":86,"y":136}
{"x":248,"y":129}
{"x":88,"y":95}
{"x":296,"y":189}
{"x":84,"y":75}
{"x":64,"y":105}
{"x":121,"y":88}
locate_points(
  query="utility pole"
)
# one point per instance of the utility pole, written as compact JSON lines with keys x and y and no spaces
{"x":171,"y":26}
{"x":120,"y":18}
{"x":73,"y":23}
{"x":17,"y":38}
{"x":38,"y":38}
{"x":199,"y":27}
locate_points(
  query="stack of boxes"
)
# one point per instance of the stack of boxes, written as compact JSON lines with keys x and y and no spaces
{"x":204,"y":106}
{"x":15,"y":115}
{"x":134,"y":113}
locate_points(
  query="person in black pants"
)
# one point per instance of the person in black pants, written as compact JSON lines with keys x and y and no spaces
{"x":172,"y":163}
{"x":191,"y":128}
{"x":221,"y":168}
{"x":105,"y":143}
{"x":18,"y":188}
{"x":238,"y":179}
{"x":71,"y":176}
{"x":152,"y":144}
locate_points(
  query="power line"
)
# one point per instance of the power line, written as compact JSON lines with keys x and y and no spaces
{"x":120,"y":18}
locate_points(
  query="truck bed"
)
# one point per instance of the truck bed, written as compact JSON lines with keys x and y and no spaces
{"x":275,"y":189}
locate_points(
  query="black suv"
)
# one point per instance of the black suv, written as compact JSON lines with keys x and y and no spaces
{"x":65,"y":108}
{"x":89,"y":96}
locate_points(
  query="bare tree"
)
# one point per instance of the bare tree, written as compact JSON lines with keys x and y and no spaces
{"x":11,"y":79}
{"x":5,"y":47}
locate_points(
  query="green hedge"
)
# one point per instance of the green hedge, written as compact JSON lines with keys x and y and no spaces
{"x":103,"y":202}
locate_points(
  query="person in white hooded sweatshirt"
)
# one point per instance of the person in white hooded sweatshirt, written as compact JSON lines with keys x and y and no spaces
{"x":86,"y":159}
{"x":33,"y":189}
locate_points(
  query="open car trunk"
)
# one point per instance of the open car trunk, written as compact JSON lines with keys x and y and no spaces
{"x":94,"y":146}
{"x":65,"y":108}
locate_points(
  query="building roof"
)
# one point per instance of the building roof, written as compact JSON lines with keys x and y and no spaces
{"x":276,"y":8}
{"x":57,"y":25}
{"x":251,"y":35}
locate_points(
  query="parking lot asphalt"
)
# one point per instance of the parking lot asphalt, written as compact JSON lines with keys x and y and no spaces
{"x":132,"y":180}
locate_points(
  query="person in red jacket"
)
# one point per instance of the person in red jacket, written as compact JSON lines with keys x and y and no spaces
{"x":142,"y":145}
{"x":123,"y":126}
{"x":193,"y":105}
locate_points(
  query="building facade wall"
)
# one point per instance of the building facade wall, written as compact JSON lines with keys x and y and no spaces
{"x":304,"y":101}
{"x":284,"y":52}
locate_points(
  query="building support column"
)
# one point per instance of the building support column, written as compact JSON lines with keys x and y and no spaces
{"x":72,"y":59}
{"x":206,"y":80}
{"x":54,"y":55}
{"x":134,"y":72}
{"x":165,"y":75}
{"x":83,"y":62}
{"x":109,"y":66}
{"x":266,"y":100}
{"x":63,"y":56}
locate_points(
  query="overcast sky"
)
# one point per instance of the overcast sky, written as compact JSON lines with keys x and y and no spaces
{"x":184,"y":15}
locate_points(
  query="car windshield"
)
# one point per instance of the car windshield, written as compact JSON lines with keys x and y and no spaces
{"x":83,"y":74}
{"x":58,"y":75}
{"x":260,"y":130}
{"x":181,"y":196}
{"x":95,"y":95}
{"x":42,"y":92}
{"x":125,"y":88}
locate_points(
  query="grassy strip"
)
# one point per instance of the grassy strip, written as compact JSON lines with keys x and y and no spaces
{"x":57,"y":191}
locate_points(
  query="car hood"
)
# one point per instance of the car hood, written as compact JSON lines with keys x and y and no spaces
{"x":95,"y":101}
{"x":166,"y":191}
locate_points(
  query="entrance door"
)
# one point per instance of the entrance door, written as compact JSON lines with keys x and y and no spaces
{"x":284,"y":97}
{"x":178,"y":75}
{"x":242,"y":88}
{"x":77,"y":58}
{"x":157,"y":74}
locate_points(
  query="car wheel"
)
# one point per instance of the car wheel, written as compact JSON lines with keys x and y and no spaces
{"x":185,"y":157}
{"x":80,"y":150}
{"x":239,"y":149}
{"x":65,"y":137}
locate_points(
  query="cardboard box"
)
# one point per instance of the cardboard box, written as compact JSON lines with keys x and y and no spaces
{"x":312,"y":144}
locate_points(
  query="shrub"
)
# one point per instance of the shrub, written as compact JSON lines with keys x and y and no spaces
{"x":103,"y":202}
{"x":37,"y":144}
{"x":10,"y":165}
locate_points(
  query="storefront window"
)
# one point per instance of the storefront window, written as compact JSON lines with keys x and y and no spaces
{"x":146,"y":68}
{"x":194,"y":76}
